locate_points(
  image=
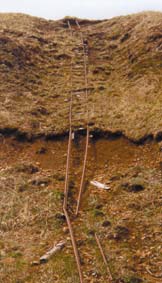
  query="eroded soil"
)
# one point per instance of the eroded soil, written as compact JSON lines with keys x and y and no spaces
{"x":127,"y":217}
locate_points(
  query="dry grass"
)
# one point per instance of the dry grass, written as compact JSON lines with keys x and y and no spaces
{"x":124,"y":97}
{"x":124,"y":75}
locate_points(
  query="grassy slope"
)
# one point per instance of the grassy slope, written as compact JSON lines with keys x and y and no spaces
{"x":124,"y":75}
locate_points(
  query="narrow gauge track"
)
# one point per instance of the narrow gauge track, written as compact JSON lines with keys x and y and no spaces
{"x":85,"y":54}
{"x":87,"y":118}
{"x":66,"y":188}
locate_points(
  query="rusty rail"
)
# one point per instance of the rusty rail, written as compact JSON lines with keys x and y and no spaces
{"x":75,"y":249}
{"x":66,"y":189}
{"x":87,"y":134}
{"x":104,"y":258}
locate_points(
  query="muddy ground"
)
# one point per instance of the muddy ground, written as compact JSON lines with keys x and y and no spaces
{"x":127,"y":218}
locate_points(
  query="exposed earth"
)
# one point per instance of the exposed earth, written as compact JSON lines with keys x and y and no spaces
{"x":125,"y":150}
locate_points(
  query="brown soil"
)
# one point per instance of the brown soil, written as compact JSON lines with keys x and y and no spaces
{"x":127,"y":221}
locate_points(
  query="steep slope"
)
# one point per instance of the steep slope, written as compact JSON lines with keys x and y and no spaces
{"x":124,"y":75}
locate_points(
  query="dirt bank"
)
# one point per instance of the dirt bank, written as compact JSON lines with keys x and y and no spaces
{"x":127,"y":218}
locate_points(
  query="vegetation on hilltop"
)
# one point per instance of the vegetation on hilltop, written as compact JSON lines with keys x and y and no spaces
{"x":124,"y":75}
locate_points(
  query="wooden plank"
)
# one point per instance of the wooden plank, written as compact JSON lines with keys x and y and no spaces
{"x":58,"y":247}
{"x":99,"y":185}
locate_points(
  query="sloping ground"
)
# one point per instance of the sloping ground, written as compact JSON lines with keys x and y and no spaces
{"x":125,"y":77}
{"x":124,"y":98}
{"x":127,"y":218}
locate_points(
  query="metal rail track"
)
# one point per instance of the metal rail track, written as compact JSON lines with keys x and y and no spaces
{"x":66,"y":189}
{"x":87,"y":134}
{"x":104,"y":258}
{"x":75,"y":249}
